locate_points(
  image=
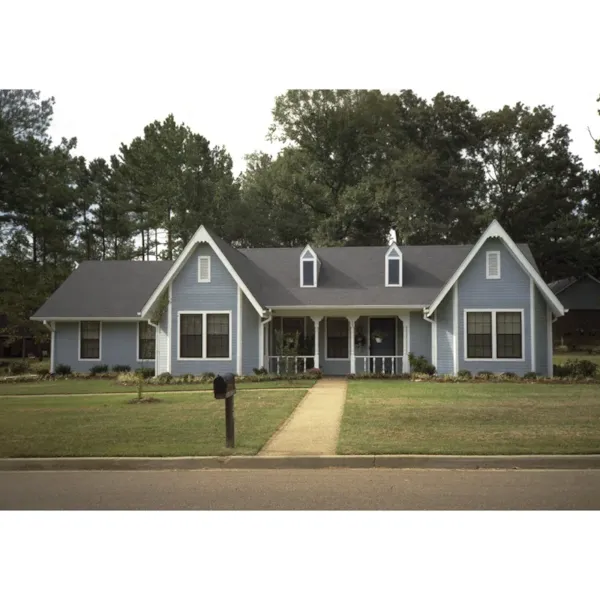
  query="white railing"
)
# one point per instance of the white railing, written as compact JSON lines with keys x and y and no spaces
{"x":298,"y":364}
{"x":386,"y":364}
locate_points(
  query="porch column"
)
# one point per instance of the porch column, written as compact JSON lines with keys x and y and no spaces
{"x":352,"y":322}
{"x":405,"y":342}
{"x":261,"y":343}
{"x":316,"y":321}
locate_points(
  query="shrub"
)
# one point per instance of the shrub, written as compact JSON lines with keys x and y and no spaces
{"x":97,"y":369}
{"x":187,"y":378}
{"x":530,"y":375}
{"x":465,"y":374}
{"x":420,"y":364}
{"x":561,"y":348}
{"x":18,"y":367}
{"x":509,"y":375}
{"x":580,"y":368}
{"x":261,"y":371}
{"x":145,"y":372}
{"x":485,"y":375}
{"x":165,"y":377}
{"x":127,"y":378}
{"x":62,"y":369}
{"x":208,"y":375}
{"x":121,"y":369}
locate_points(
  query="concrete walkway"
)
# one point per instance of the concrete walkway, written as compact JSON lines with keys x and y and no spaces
{"x":314,"y":427}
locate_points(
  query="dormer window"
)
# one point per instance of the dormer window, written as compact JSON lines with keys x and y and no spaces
{"x":393,"y":267}
{"x":308,"y":268}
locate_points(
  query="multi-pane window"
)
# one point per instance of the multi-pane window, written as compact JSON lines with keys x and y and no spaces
{"x":217,"y":336}
{"x":146,"y":341}
{"x":508,"y":333}
{"x":479,"y":335}
{"x":337,"y":338}
{"x":308,"y":272}
{"x":190,"y":336}
{"x":495,"y":334}
{"x":90,"y":340}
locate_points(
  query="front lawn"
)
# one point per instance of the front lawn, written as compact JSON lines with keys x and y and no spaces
{"x":404,"y":417}
{"x":103,"y":386}
{"x":180,"y":425}
{"x":562,"y":358}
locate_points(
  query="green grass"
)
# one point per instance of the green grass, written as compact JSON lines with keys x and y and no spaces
{"x":103,"y":386}
{"x":562,"y":358}
{"x":400,"y":417}
{"x":180,"y":425}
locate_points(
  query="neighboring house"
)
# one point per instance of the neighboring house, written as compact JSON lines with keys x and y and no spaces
{"x":581,"y":297}
{"x":25,"y":345}
{"x":218,"y":309}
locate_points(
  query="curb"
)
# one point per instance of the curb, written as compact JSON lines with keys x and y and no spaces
{"x":402,"y":461}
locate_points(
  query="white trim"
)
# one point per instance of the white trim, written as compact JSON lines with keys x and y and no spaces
{"x":352,"y":326}
{"x":169,"y":328}
{"x":350,"y":307}
{"x":496,"y":230}
{"x":137,"y":342}
{"x":498,"y":256}
{"x":393,"y":253}
{"x":200,"y":236}
{"x":204,"y":313}
{"x":312,"y":258}
{"x":325,"y":333}
{"x":549,"y":344}
{"x":493,"y":312}
{"x":316,"y":321}
{"x":77,"y":319}
{"x":455,"y":350}
{"x":99,"y":343}
{"x":238,"y":346}
{"x":532,"y":319}
{"x":200,"y":259}
{"x":52,"y":327}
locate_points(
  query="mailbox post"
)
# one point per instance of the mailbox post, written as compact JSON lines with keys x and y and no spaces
{"x":224,"y":389}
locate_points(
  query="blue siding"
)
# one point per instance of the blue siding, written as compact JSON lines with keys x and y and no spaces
{"x":189,"y":295}
{"x":445,"y":336}
{"x":250,"y":348}
{"x":118,"y":346}
{"x":541,"y":335}
{"x":477,"y":292}
{"x":420,"y":335}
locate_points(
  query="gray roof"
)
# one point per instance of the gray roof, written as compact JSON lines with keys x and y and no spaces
{"x":558,"y":286}
{"x":109,"y":289}
{"x":349,"y":276}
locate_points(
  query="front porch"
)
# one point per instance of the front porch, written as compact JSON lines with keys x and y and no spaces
{"x":336,"y":344}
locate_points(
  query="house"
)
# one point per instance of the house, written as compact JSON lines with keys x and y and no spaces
{"x":581,"y":297}
{"x":357,"y":309}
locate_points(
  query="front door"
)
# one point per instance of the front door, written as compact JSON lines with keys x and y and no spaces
{"x":382,"y":343}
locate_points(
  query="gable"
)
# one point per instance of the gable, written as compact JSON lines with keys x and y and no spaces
{"x":583,"y":294}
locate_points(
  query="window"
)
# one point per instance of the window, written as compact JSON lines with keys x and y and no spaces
{"x":492,"y":264}
{"x":146,"y":341}
{"x":190,"y":336}
{"x":217,"y":336}
{"x":393,"y":267}
{"x":479,"y":335}
{"x":494,"y":335}
{"x":89,"y":342}
{"x":204,"y":269}
{"x":337,"y":338}
{"x":204,"y":336}
{"x":308,"y":272}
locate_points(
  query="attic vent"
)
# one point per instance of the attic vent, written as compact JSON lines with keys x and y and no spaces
{"x":204,"y":269}
{"x":493,"y":265}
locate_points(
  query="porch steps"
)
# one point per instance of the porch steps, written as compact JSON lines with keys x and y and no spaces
{"x":314,"y":427}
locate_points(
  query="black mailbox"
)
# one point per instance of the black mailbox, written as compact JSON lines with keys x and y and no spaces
{"x":224,"y":386}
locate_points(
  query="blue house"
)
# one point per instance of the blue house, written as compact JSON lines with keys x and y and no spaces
{"x":351,"y":309}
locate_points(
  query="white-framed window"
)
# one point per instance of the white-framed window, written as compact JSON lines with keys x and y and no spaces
{"x":308,"y":268}
{"x":204,"y":269}
{"x":146,"y":341}
{"x":204,"y":335}
{"x":337,"y":340}
{"x":497,"y":334}
{"x":393,"y":267}
{"x":90,"y":340}
{"x":492,"y":264}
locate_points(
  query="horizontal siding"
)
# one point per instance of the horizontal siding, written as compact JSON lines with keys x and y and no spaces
{"x":420,"y":335}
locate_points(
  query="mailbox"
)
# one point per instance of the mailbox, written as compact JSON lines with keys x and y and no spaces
{"x":224,"y":386}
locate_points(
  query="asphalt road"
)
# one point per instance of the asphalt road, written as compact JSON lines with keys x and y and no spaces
{"x":323,"y":489}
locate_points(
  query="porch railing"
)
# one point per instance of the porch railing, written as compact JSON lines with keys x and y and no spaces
{"x":381,"y":364}
{"x":290,"y":364}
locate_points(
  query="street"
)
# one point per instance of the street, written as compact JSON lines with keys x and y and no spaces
{"x":322,"y":489}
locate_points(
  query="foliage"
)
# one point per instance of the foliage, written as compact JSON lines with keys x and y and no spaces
{"x":120,"y":368}
{"x":485,"y":375}
{"x":508,"y":375}
{"x":18,"y":367}
{"x":98,"y":369}
{"x":530,"y":375}
{"x":419,"y":364}
{"x":261,"y":371}
{"x":576,"y":368}
{"x":464,"y":374}
{"x":161,"y":307}
{"x":145,"y":372}
{"x":62,"y":369}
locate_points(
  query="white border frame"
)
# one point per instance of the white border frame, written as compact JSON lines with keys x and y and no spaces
{"x":488,"y":254}
{"x":303,"y":259}
{"x":137,"y":342}
{"x":325,"y":357}
{"x":393,"y":253}
{"x":99,"y":342}
{"x":200,"y":259}
{"x":494,"y":311}
{"x":204,"y":334}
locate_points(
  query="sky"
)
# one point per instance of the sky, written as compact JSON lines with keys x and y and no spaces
{"x":219,"y":66}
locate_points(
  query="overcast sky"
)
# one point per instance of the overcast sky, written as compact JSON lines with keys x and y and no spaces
{"x":219,"y":67}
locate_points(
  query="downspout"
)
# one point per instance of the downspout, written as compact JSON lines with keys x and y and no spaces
{"x":433,"y":337}
{"x":52,"y":329}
